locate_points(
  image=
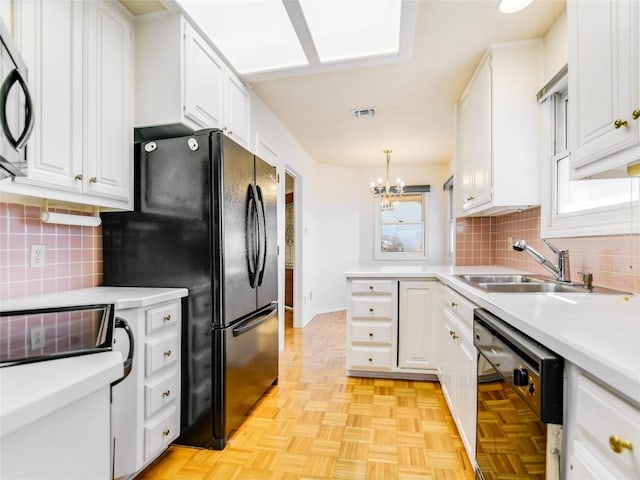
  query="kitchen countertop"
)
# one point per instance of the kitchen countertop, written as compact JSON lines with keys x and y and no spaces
{"x":121,"y":297}
{"x":34,"y":390}
{"x":598,"y":333}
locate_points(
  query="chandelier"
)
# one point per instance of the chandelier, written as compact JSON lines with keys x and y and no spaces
{"x":387,"y":193}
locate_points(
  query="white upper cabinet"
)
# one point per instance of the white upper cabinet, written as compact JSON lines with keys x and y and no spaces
{"x":604,"y":86}
{"x":181,"y":80}
{"x":498,"y":131}
{"x":79,"y":60}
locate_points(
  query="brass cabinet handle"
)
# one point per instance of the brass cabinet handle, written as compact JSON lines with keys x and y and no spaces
{"x":636,"y":114}
{"x":166,"y":318}
{"x":165,"y":433}
{"x":455,"y":336}
{"x":78,"y":177}
{"x":620,"y":123}
{"x":93,"y":180}
{"x":370,"y":359}
{"x":167,"y":353}
{"x":454,"y":305}
{"x":167,"y":393}
{"x":617,"y":444}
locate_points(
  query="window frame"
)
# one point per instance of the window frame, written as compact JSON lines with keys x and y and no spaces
{"x":608,"y":220}
{"x":378,"y":254}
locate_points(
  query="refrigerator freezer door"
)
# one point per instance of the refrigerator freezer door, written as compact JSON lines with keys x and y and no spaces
{"x":268,"y":276}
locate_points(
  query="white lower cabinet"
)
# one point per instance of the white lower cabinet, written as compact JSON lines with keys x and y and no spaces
{"x":146,"y":405}
{"x":602,"y":431}
{"x":418,"y":323}
{"x":458,"y":365}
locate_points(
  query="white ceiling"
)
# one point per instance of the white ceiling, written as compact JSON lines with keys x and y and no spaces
{"x":414,"y":100}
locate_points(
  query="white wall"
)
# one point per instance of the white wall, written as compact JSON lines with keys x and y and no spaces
{"x":556,"y":47}
{"x":337,"y":234}
{"x":434,"y":175}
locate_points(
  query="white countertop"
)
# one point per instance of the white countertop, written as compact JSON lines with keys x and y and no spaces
{"x":121,"y":297}
{"x":34,"y":390}
{"x":598,"y":333}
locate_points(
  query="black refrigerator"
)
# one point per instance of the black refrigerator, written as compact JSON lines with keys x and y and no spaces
{"x":205,"y":219}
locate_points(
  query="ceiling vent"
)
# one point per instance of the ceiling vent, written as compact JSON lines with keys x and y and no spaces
{"x":363,"y":113}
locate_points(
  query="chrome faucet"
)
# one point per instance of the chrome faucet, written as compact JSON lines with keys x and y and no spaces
{"x":561,"y":271}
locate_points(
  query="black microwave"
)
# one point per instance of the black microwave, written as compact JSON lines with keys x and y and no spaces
{"x":16,"y":108}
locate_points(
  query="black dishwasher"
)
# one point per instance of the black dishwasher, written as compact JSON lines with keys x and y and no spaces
{"x":520,"y":385}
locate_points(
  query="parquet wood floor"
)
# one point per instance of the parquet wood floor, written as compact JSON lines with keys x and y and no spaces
{"x":317,"y":423}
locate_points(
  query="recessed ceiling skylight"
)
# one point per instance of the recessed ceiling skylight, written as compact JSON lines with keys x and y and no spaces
{"x":353,"y":29}
{"x":254,"y":35}
{"x":263,"y":37}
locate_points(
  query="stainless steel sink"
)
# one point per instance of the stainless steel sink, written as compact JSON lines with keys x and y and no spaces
{"x":508,"y":283}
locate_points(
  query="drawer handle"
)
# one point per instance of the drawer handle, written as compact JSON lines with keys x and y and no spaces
{"x":370,"y":359}
{"x":167,"y":353}
{"x":453,"y":335}
{"x":370,"y":335}
{"x":617,"y":444}
{"x":454,"y":305}
{"x":93,"y":180}
{"x":370,"y":287}
{"x":165,"y":433}
{"x":167,"y":318}
{"x":620,"y":123}
{"x":78,"y":177}
{"x":636,"y":114}
{"x":167,"y":393}
{"x":371,"y":310}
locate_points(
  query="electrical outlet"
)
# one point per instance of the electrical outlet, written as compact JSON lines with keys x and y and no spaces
{"x":37,"y":256}
{"x":37,"y":338}
{"x":510,"y":243}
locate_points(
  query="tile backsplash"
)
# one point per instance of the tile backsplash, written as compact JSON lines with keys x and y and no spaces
{"x":72,"y":259}
{"x":613,"y":260}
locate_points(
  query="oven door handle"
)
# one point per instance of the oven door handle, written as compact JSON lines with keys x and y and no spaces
{"x":128,"y":363}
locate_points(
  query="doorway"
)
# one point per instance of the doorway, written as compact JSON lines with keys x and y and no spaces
{"x":289,"y":258}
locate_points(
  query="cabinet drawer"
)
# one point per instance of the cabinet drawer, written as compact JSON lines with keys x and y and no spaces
{"x":159,"y":393}
{"x":371,"y":332}
{"x":462,"y":307}
{"x":370,"y":358}
{"x":600,"y":415}
{"x":372,"y":286}
{"x":371,"y":307}
{"x":160,"y":433}
{"x":160,"y":316}
{"x":160,"y":353}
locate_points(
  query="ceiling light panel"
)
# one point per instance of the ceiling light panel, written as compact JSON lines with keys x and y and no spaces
{"x":254,"y":35}
{"x":349,"y":29}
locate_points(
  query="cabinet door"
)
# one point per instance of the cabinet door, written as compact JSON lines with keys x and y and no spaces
{"x":447,"y":353}
{"x":109,"y":141}
{"x":604,"y":87}
{"x":467,"y":373}
{"x":417,"y":342}
{"x":203,"y":82}
{"x":237,"y":111}
{"x":50,"y":38}
{"x":475,"y":132}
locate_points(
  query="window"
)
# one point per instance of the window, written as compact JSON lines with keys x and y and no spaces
{"x":401,"y":231}
{"x":578,"y":207}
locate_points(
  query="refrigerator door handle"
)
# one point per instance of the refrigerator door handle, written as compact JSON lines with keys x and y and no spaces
{"x":248,"y":325}
{"x":262,"y":219}
{"x":251,"y":236}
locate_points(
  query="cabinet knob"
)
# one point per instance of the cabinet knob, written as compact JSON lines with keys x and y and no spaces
{"x":617,"y":444}
{"x":370,"y":335}
{"x":470,"y":197}
{"x":167,"y":318}
{"x":165,"y":433}
{"x":453,"y":334}
{"x":167,"y":353}
{"x":370,"y":287}
{"x":78,"y":177}
{"x":620,"y":123}
{"x":454,"y":305}
{"x":370,"y":359}
{"x":93,"y":180}
{"x":371,"y":310}
{"x":636,"y":114}
{"x":166,"y":393}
